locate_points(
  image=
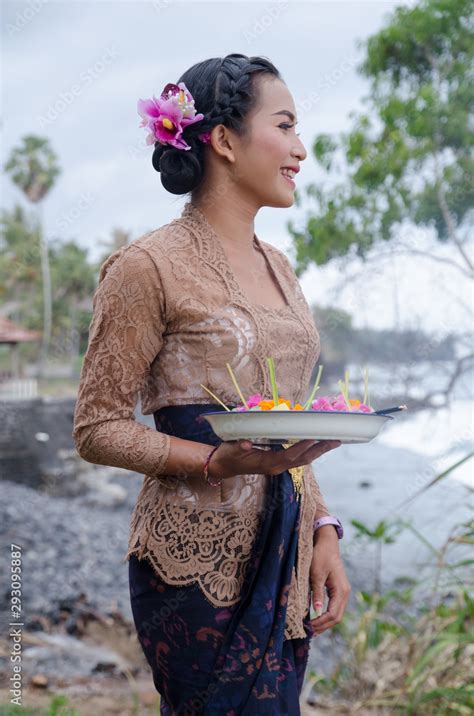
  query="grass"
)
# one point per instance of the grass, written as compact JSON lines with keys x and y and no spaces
{"x":394,"y":662}
{"x":58,"y":706}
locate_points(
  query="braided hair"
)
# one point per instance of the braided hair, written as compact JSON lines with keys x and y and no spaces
{"x":225,"y":92}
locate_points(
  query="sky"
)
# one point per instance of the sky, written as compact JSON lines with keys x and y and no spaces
{"x":73,"y":71}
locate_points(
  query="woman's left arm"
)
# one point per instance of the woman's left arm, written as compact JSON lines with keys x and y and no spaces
{"x":327,"y":574}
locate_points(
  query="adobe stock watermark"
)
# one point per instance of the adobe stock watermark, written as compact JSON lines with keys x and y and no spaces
{"x":139,"y":148}
{"x":325,"y":83}
{"x":159,"y":616}
{"x":265,"y":20}
{"x":15,"y":632}
{"x":24,"y":16}
{"x":160,"y":5}
{"x":86,"y":79}
{"x":422,"y":478}
{"x":67,"y":218}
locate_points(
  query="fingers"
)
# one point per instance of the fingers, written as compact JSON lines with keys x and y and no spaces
{"x":334,"y":613}
{"x":316,"y":450}
{"x":302,"y":447}
{"x":318,"y":596}
{"x":332,"y":616}
{"x":302,"y":453}
{"x":318,"y":605}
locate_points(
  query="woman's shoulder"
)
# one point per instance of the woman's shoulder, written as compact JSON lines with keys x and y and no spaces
{"x":165,"y":237}
{"x":148,"y":249}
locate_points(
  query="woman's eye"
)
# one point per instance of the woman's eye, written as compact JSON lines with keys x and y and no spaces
{"x":285,"y":125}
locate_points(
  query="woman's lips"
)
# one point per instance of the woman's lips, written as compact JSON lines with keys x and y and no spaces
{"x":290,"y":181}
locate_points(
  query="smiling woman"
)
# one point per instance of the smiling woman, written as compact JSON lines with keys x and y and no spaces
{"x":221,"y":553}
{"x":241,"y":102}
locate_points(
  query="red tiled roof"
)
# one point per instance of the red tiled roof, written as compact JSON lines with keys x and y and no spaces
{"x":11,"y":333}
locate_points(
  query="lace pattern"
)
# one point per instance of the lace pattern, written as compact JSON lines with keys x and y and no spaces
{"x":167,"y":315}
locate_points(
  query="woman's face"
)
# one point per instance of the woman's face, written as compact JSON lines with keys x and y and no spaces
{"x":271,"y":145}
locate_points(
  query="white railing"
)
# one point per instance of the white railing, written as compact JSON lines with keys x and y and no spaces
{"x":19,"y":389}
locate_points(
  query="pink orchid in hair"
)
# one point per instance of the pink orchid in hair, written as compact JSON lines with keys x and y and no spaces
{"x":168,"y":116}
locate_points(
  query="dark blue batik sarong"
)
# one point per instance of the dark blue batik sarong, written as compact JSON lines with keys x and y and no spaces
{"x":229,"y":661}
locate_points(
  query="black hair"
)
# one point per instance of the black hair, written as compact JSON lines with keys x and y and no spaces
{"x":224,"y":90}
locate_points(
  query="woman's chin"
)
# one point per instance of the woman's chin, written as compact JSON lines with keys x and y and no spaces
{"x":281,"y":200}
{"x":287,"y":201}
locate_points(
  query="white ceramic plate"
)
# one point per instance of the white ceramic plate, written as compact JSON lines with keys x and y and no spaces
{"x":278,"y":426}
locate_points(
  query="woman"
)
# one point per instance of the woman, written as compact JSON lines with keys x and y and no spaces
{"x":222,"y":553}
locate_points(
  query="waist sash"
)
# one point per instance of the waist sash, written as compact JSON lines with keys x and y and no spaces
{"x":249,"y":667}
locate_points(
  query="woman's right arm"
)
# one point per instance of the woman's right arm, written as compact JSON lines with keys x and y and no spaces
{"x":125,"y":336}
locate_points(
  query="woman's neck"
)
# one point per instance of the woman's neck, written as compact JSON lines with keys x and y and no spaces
{"x":233,"y":224}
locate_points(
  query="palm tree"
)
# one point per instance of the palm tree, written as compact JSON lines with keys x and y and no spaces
{"x":119,"y":238}
{"x":33,"y":168}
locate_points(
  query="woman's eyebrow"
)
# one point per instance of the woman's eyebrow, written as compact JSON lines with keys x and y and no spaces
{"x":287,"y":112}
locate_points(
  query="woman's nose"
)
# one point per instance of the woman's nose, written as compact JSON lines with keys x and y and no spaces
{"x":299,"y":150}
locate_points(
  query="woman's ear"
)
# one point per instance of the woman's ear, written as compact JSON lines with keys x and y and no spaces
{"x":222,"y":140}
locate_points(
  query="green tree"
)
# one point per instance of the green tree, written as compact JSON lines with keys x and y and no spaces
{"x":409,"y":155}
{"x":20,"y":272}
{"x":72,"y":274}
{"x":73,"y":281}
{"x":33,"y":168}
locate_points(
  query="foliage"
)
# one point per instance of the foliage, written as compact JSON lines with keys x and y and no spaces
{"x":20,"y":269}
{"x":341,"y":342}
{"x":33,"y":167}
{"x":72,"y":281}
{"x":394,"y":661}
{"x":408,"y":156}
{"x":58,"y":706}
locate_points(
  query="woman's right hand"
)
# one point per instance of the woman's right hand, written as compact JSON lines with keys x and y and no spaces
{"x":240,"y":457}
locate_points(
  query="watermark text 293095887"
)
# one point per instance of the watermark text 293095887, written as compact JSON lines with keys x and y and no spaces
{"x":16,"y":624}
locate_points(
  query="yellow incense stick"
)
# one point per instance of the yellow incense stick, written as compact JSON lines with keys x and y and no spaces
{"x":343,"y":388}
{"x":237,"y":386}
{"x":215,"y":397}
{"x":271,"y":370}
{"x":315,"y":388}
{"x":366,"y":386}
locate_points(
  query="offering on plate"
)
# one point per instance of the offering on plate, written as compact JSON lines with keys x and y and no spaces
{"x":265,"y":420}
{"x":325,"y":402}
{"x":338,"y":403}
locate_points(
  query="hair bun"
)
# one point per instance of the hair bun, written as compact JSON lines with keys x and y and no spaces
{"x":180,"y":170}
{"x":225,"y":93}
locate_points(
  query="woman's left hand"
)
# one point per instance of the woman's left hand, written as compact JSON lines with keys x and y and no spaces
{"x":327,"y":572}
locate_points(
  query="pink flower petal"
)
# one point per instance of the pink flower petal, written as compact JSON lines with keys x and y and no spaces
{"x":340,"y":405}
{"x":148,"y":108}
{"x":191,"y":120}
{"x":322,"y":403}
{"x":170,"y":88}
{"x":253,"y":400}
{"x":176,"y":105}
